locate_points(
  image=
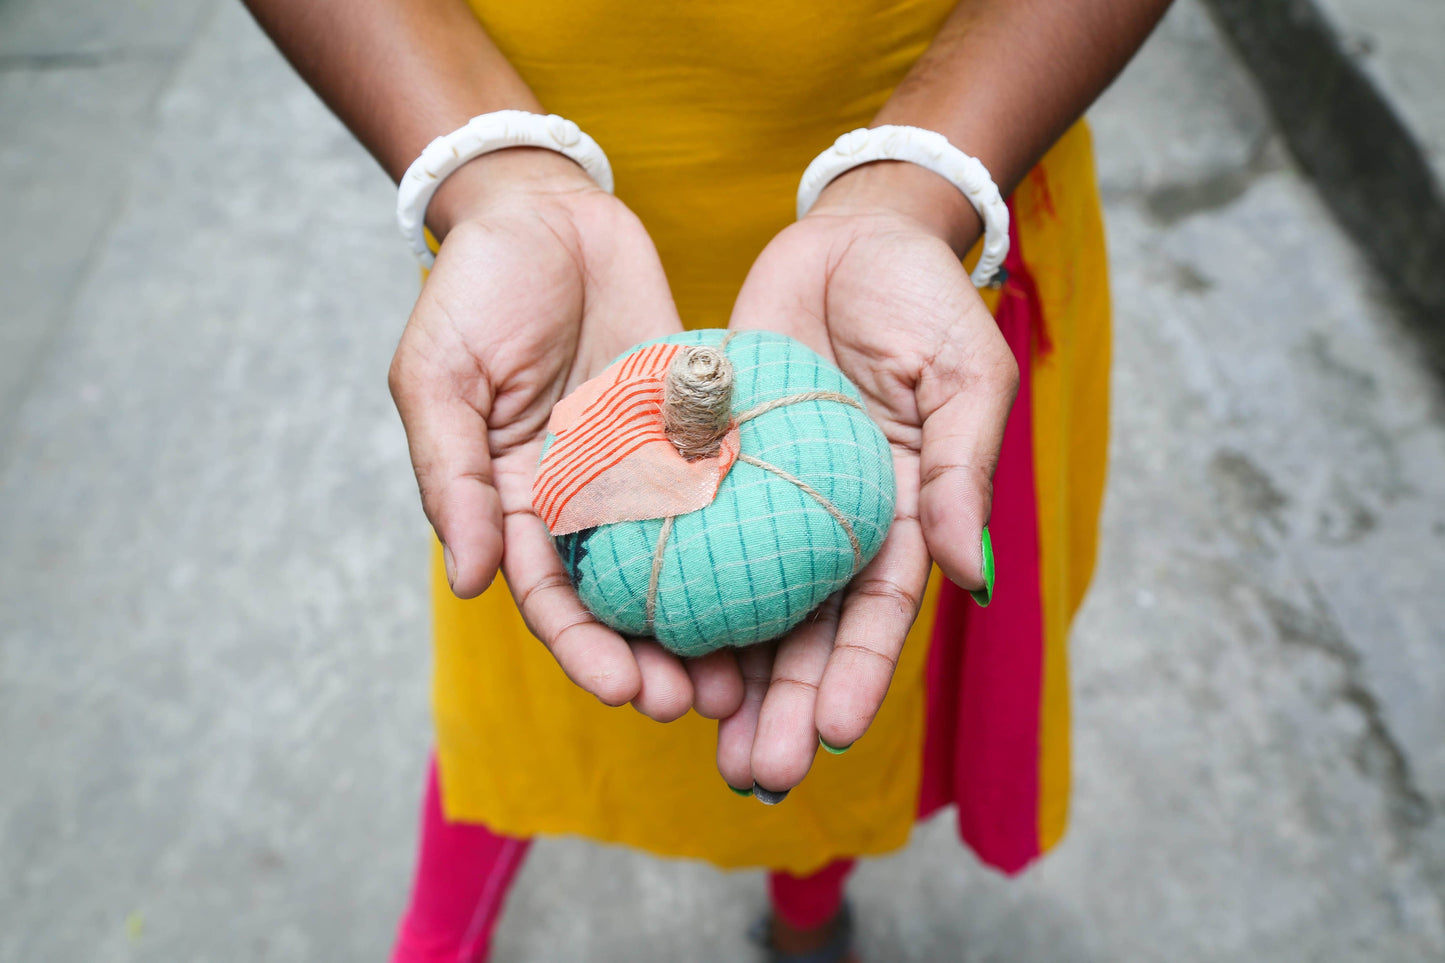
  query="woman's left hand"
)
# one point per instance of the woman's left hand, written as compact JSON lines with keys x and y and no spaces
{"x":871,"y":280}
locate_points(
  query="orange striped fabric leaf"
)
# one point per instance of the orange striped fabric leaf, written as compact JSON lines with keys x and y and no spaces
{"x":610,"y":460}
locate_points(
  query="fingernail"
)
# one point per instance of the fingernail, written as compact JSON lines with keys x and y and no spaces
{"x":985,"y":595}
{"x":736,"y":791}
{"x":835,"y":750}
{"x":451,"y":565}
{"x":767,"y":797}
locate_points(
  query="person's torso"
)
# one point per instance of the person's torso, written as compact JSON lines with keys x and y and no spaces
{"x":709,"y":112}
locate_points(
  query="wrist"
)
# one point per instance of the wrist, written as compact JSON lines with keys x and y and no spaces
{"x":484,"y":182}
{"x":908,"y":190}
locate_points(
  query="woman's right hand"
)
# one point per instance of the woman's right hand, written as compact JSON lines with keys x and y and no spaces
{"x":541,"y":280}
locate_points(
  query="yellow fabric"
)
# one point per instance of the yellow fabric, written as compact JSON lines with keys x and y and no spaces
{"x":524,"y":751}
{"x":709,"y":113}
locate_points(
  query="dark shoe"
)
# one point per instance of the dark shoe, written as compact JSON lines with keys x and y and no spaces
{"x":836,"y":950}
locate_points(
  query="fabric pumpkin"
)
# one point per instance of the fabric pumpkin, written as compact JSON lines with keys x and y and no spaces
{"x":802,"y":502}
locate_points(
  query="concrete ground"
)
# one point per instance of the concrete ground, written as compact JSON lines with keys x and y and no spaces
{"x":1397,"y":45}
{"x":213,"y":628}
{"x":1355,"y":86}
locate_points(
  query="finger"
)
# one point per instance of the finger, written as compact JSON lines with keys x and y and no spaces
{"x":666,"y":689}
{"x":735,"y":733}
{"x":717,"y":684}
{"x":787,"y":736}
{"x":593,"y":656}
{"x":965,"y":407}
{"x":879,"y":609}
{"x":447,"y":436}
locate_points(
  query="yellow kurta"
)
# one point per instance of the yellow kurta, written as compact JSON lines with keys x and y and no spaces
{"x":709,"y":114}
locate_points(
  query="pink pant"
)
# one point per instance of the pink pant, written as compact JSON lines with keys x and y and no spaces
{"x":464,"y":870}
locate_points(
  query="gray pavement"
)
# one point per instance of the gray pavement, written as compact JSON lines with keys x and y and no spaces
{"x":1355,"y":86}
{"x":213,"y":655}
{"x":1398,"y":46}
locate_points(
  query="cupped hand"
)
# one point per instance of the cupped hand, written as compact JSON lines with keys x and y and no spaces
{"x":541,"y":279}
{"x":869,"y":280}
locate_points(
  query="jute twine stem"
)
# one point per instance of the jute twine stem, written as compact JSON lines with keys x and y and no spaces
{"x":697,"y":401}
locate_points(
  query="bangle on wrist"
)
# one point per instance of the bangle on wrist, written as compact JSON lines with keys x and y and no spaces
{"x":482,"y":135}
{"x":928,"y":149}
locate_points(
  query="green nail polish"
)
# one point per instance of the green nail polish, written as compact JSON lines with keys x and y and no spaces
{"x":985,"y":595}
{"x":739,"y":792}
{"x":835,"y":750}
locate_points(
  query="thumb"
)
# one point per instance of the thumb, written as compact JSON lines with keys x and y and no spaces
{"x":964,"y":412}
{"x":446,"y":433}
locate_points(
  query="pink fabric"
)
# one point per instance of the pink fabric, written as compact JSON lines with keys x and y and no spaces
{"x":807,"y":902}
{"x":464,"y":870}
{"x":985,"y":666}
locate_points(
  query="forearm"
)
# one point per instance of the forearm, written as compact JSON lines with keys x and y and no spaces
{"x":399,"y":73}
{"x":1002,"y":81}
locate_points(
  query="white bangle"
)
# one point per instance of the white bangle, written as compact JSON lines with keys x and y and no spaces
{"x":482,"y":135}
{"x":929,"y":149}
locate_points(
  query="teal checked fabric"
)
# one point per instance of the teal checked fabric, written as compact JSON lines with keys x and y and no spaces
{"x":775,"y":543}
